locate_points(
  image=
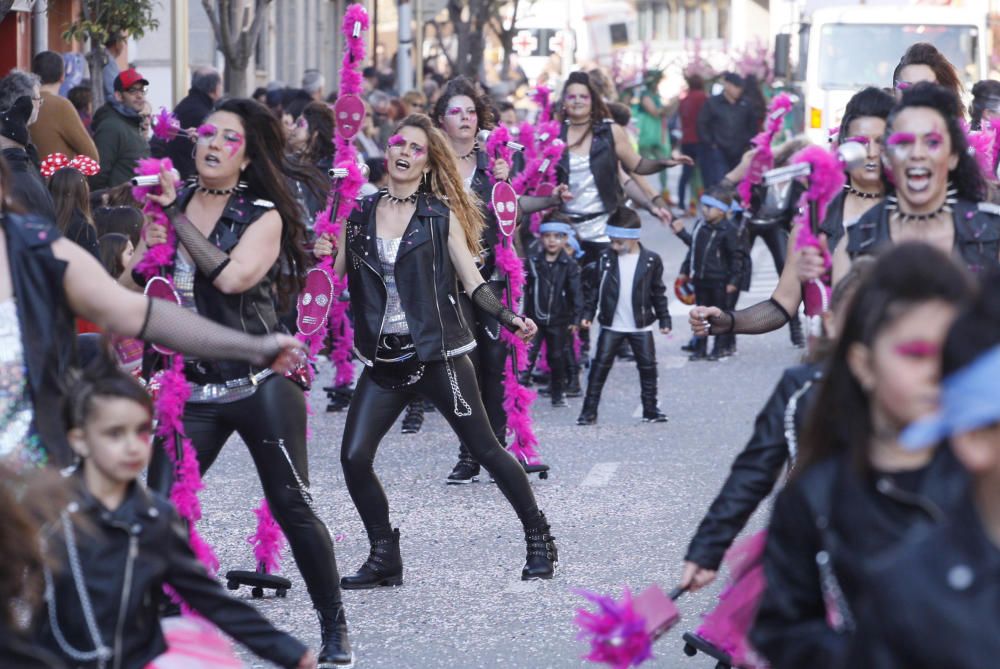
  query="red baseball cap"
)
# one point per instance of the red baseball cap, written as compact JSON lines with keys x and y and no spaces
{"x":129,"y":78}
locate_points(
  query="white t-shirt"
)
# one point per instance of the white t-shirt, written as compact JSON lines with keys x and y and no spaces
{"x":624,"y":320}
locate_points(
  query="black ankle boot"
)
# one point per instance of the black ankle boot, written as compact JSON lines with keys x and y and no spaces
{"x":647,"y":389}
{"x":384,"y":566}
{"x":414,"y":418}
{"x":542,"y":552}
{"x":588,"y":414}
{"x":466,"y":470}
{"x":335,"y":650}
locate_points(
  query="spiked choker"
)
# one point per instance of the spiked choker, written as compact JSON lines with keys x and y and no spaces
{"x":239,"y":187}
{"x":409,"y":199}
{"x":862,"y":194}
{"x":892,"y":204}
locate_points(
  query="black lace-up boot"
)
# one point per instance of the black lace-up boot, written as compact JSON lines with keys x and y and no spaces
{"x":335,"y":651}
{"x":466,"y":470}
{"x":413,"y":419}
{"x":384,"y":566}
{"x":542,"y":552}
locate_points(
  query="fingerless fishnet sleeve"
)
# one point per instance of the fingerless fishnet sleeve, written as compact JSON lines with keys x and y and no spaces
{"x":182,"y":330}
{"x":758,"y":319}
{"x":208,"y":258}
{"x":484,"y":298}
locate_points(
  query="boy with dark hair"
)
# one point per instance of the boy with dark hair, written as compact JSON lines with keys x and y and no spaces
{"x":629,"y":300}
{"x":714,"y":263}
{"x":554,"y":300}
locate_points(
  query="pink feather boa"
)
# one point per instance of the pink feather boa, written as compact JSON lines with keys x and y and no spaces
{"x":267,"y":541}
{"x":982,"y":146}
{"x":616,"y":632}
{"x":173,"y":387}
{"x":763,"y":159}
{"x":543,"y":98}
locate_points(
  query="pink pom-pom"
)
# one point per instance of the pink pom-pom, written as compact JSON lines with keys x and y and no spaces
{"x":165,"y":125}
{"x":616,"y":632}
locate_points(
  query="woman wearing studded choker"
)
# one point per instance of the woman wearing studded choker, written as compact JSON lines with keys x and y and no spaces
{"x":237,"y":227}
{"x":460,"y":113}
{"x":597,"y":151}
{"x":406,"y":249}
{"x":864,"y":122}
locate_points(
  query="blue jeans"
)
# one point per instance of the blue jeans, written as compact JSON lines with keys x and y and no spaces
{"x":713,"y":165}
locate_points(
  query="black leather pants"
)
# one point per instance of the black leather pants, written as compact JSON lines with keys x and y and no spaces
{"x":608,"y":343}
{"x":272,"y":423}
{"x":557,"y":340}
{"x":373,"y":411}
{"x":711,"y":294}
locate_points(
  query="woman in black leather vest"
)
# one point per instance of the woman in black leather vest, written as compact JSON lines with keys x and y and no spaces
{"x":405,"y":252}
{"x":863,"y":122}
{"x":597,"y":152}
{"x":229,"y":265}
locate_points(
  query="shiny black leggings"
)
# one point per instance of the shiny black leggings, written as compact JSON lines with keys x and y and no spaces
{"x":373,"y":411}
{"x":272,"y":423}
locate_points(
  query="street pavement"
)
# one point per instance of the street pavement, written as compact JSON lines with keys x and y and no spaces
{"x":623,"y":500}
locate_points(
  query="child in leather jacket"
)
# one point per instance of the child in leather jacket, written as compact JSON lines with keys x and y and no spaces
{"x":629,"y":302}
{"x":117,"y":544}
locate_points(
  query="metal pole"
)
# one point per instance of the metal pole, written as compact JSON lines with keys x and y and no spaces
{"x":404,"y":57}
{"x":418,"y":45}
{"x":179,"y":66}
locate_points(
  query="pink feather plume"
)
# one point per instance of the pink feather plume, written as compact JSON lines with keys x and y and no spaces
{"x":267,"y":541}
{"x":616,"y":632}
{"x":165,"y":125}
{"x":763,"y":159}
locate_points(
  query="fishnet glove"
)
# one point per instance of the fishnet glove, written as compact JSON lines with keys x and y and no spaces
{"x":758,"y":319}
{"x":209,"y":260}
{"x":182,"y":330}
{"x":484,"y":298}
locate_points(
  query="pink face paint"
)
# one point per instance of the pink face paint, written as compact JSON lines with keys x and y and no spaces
{"x":903,"y":85}
{"x":934,"y":140}
{"x":233,"y":142}
{"x":897,"y":138}
{"x":418,"y":150}
{"x":918,"y":349}
{"x":397,"y":140}
{"x":206,"y":132}
{"x":578,"y":97}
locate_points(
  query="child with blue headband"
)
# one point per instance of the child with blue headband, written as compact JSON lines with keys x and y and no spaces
{"x":714,"y":263}
{"x":554,"y":300}
{"x":629,"y":300}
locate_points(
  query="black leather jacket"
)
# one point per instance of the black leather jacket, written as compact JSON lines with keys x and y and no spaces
{"x":977,"y":233}
{"x":716,"y":253}
{"x":649,"y":294}
{"x":856,"y":521}
{"x":937,"y":604}
{"x":426,"y":280}
{"x":553,"y":295}
{"x":126,"y":557}
{"x":491,"y":233}
{"x":47,"y":325}
{"x":757,"y":468}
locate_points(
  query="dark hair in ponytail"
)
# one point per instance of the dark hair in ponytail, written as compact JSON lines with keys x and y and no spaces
{"x":267,"y":177}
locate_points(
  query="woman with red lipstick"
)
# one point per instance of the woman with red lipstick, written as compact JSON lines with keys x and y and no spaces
{"x":856,"y":492}
{"x":238,"y":262}
{"x":863,"y":122}
{"x":406,"y":253}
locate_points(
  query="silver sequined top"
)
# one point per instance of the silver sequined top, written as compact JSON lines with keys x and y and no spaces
{"x":394,"y":321}
{"x":586,"y":200}
{"x":184,"y":282}
{"x":19,"y":449}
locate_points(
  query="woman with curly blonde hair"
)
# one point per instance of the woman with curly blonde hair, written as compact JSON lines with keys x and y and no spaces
{"x":405,"y":251}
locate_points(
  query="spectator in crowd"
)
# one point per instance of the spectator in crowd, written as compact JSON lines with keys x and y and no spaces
{"x":122,"y":219}
{"x":654,"y":142}
{"x":82,"y":99}
{"x":71,"y":195}
{"x":114,"y":47}
{"x":313,"y":83}
{"x":20,"y":98}
{"x":260,"y":95}
{"x":205,"y":91}
{"x":726,"y":124}
{"x":58,"y":128}
{"x":508,"y":115}
{"x":116,"y":252}
{"x":117,"y":131}
{"x":370,"y":80}
{"x":688,"y":111}
{"x":414,"y":102}
{"x":366,"y":141}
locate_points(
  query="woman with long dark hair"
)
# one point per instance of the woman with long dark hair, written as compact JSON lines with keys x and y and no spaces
{"x":856,"y":492}
{"x":240,"y":261}
{"x":405,"y":251}
{"x":71,"y":195}
{"x":922,"y":62}
{"x":596,"y":153}
{"x":45,"y":280}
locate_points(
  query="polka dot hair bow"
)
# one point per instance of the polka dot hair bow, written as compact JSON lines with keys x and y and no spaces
{"x":56,"y":161}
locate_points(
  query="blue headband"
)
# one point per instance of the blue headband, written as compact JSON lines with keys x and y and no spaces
{"x":575,"y":245}
{"x":623,"y":233}
{"x":556,"y":226}
{"x":710,"y":201}
{"x":969,"y":401}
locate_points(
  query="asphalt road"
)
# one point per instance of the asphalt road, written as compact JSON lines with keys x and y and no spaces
{"x":623,"y":500}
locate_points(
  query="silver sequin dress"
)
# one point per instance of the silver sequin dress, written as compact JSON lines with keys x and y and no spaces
{"x":19,"y":447}
{"x":394,"y":321}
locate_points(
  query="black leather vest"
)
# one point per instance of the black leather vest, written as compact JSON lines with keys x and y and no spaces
{"x":603,"y":163}
{"x":48,"y":330}
{"x":425,"y":278}
{"x":252,"y":311}
{"x":491,"y":233}
{"x":977,"y":234}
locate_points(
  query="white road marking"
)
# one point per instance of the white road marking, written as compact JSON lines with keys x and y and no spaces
{"x":600,"y":475}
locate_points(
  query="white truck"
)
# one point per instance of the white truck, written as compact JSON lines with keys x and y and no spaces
{"x":844,"y":49}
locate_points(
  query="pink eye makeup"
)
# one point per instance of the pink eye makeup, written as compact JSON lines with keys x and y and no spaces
{"x":901,"y":144}
{"x":918,"y":349}
{"x":865,"y":141}
{"x":583,"y":97}
{"x":934,"y":140}
{"x":899,"y":138}
{"x":397,"y":140}
{"x":206,"y":131}
{"x":233,"y":141}
{"x":458,"y":111}
{"x":903,"y":85}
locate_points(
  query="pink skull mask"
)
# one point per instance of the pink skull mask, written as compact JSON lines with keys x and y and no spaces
{"x":505,"y":206}
{"x":349,"y":113}
{"x":315,"y":301}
